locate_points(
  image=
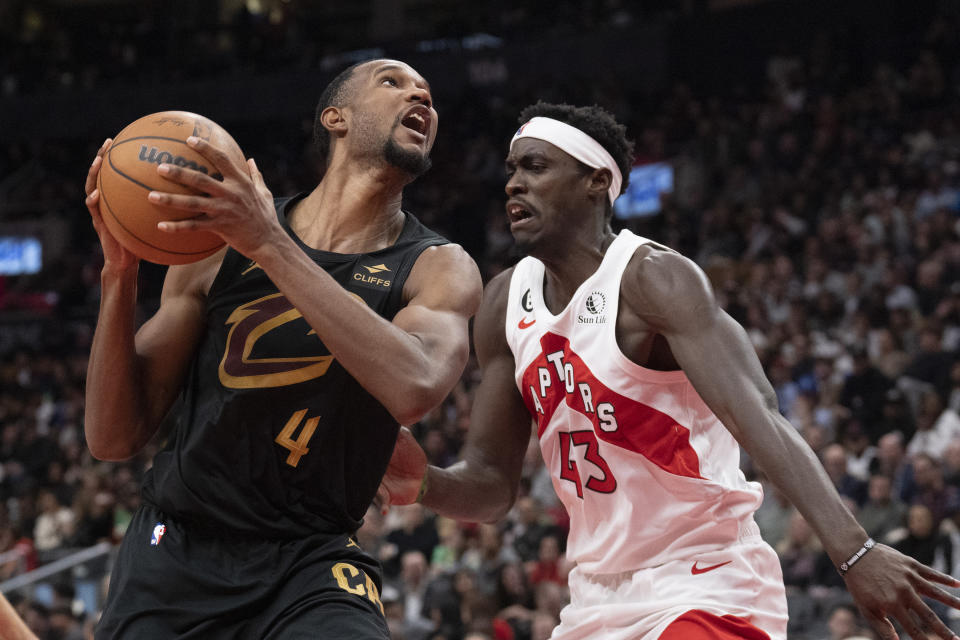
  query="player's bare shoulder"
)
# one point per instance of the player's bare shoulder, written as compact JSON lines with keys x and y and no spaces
{"x":445,"y":277}
{"x":665,"y":288}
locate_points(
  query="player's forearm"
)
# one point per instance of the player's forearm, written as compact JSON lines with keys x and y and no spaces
{"x":393,"y":365}
{"x":113,"y":412}
{"x":790,"y":464}
{"x":469,"y":492}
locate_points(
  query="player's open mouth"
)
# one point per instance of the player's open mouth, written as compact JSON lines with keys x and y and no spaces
{"x":417,"y":119}
{"x":517,"y":211}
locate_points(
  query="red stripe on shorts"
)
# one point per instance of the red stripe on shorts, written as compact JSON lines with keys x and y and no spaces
{"x":700,"y":625}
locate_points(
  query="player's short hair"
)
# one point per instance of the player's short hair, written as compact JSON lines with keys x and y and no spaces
{"x":336,"y":94}
{"x":596,"y":122}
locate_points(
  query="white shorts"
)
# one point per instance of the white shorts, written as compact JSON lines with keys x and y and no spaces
{"x":733,"y":593}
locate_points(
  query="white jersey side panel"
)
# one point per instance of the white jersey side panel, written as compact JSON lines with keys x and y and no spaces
{"x":646,"y":471}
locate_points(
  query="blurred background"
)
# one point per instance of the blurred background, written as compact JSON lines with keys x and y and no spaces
{"x":805,"y":153}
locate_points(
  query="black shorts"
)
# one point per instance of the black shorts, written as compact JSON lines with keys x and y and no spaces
{"x":171,"y":580}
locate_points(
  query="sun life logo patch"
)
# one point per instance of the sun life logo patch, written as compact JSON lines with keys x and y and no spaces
{"x":595,"y":304}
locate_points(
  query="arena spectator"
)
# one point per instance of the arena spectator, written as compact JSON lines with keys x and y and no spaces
{"x":414,"y":531}
{"x":844,"y":623}
{"x":891,"y":461}
{"x":54,"y":526}
{"x":487,"y":557}
{"x":773,"y":516}
{"x":529,"y":526}
{"x":930,"y":490}
{"x":835,"y":462}
{"x":412,"y":586}
{"x":860,"y":452}
{"x":799,"y":551}
{"x":883,"y":512}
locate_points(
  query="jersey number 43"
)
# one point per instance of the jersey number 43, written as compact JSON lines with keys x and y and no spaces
{"x":570,"y":470}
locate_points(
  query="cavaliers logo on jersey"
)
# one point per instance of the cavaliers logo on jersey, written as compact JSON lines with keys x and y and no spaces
{"x":251,"y":323}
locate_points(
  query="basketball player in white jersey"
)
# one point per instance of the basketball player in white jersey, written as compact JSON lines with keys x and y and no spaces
{"x":641,"y":389}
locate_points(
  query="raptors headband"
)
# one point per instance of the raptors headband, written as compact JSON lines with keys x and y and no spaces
{"x":574,"y":142}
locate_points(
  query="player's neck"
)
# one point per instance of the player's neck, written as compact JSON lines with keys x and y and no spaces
{"x":351,"y":211}
{"x":569,"y":266}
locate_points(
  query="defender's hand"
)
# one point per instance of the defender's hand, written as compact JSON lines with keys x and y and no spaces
{"x":401,"y":482}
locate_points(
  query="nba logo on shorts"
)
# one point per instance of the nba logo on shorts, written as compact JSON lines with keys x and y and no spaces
{"x":158,"y":530}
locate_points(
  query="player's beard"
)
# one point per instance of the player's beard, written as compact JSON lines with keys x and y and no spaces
{"x":413,"y":162}
{"x":386,"y":149}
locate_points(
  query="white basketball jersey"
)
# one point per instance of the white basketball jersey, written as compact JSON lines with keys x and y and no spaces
{"x":646,"y":471}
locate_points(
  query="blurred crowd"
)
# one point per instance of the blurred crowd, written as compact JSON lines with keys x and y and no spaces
{"x":823,"y":201}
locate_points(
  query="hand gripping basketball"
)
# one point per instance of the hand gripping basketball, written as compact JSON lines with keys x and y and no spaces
{"x":128,"y":173}
{"x":238,"y":208}
{"x":114,"y":253}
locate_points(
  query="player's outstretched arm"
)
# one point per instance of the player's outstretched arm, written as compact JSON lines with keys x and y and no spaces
{"x":673,"y":296}
{"x":483,"y":485}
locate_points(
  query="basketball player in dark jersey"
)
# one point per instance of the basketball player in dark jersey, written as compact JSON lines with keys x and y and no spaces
{"x":330,"y":319}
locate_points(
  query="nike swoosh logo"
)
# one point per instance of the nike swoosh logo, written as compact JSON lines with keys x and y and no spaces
{"x":695,"y":570}
{"x":523,"y":324}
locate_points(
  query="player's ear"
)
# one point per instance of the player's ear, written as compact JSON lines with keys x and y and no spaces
{"x":600,"y":182}
{"x":332,"y":118}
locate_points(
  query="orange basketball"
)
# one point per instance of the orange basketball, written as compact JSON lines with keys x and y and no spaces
{"x":129,"y":173}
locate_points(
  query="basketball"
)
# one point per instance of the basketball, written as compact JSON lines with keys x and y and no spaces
{"x":129,"y":174}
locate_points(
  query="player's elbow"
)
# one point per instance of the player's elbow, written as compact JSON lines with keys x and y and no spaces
{"x":501,"y":493}
{"x":107,"y":448}
{"x":499,"y":511}
{"x":414,"y":401}
{"x":110,"y":453}
{"x":411,"y":412}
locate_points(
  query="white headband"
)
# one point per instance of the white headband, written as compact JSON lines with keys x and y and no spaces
{"x":574,"y":142}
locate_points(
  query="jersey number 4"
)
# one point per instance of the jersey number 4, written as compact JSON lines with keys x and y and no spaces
{"x":298,"y":448}
{"x":569,"y":470}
